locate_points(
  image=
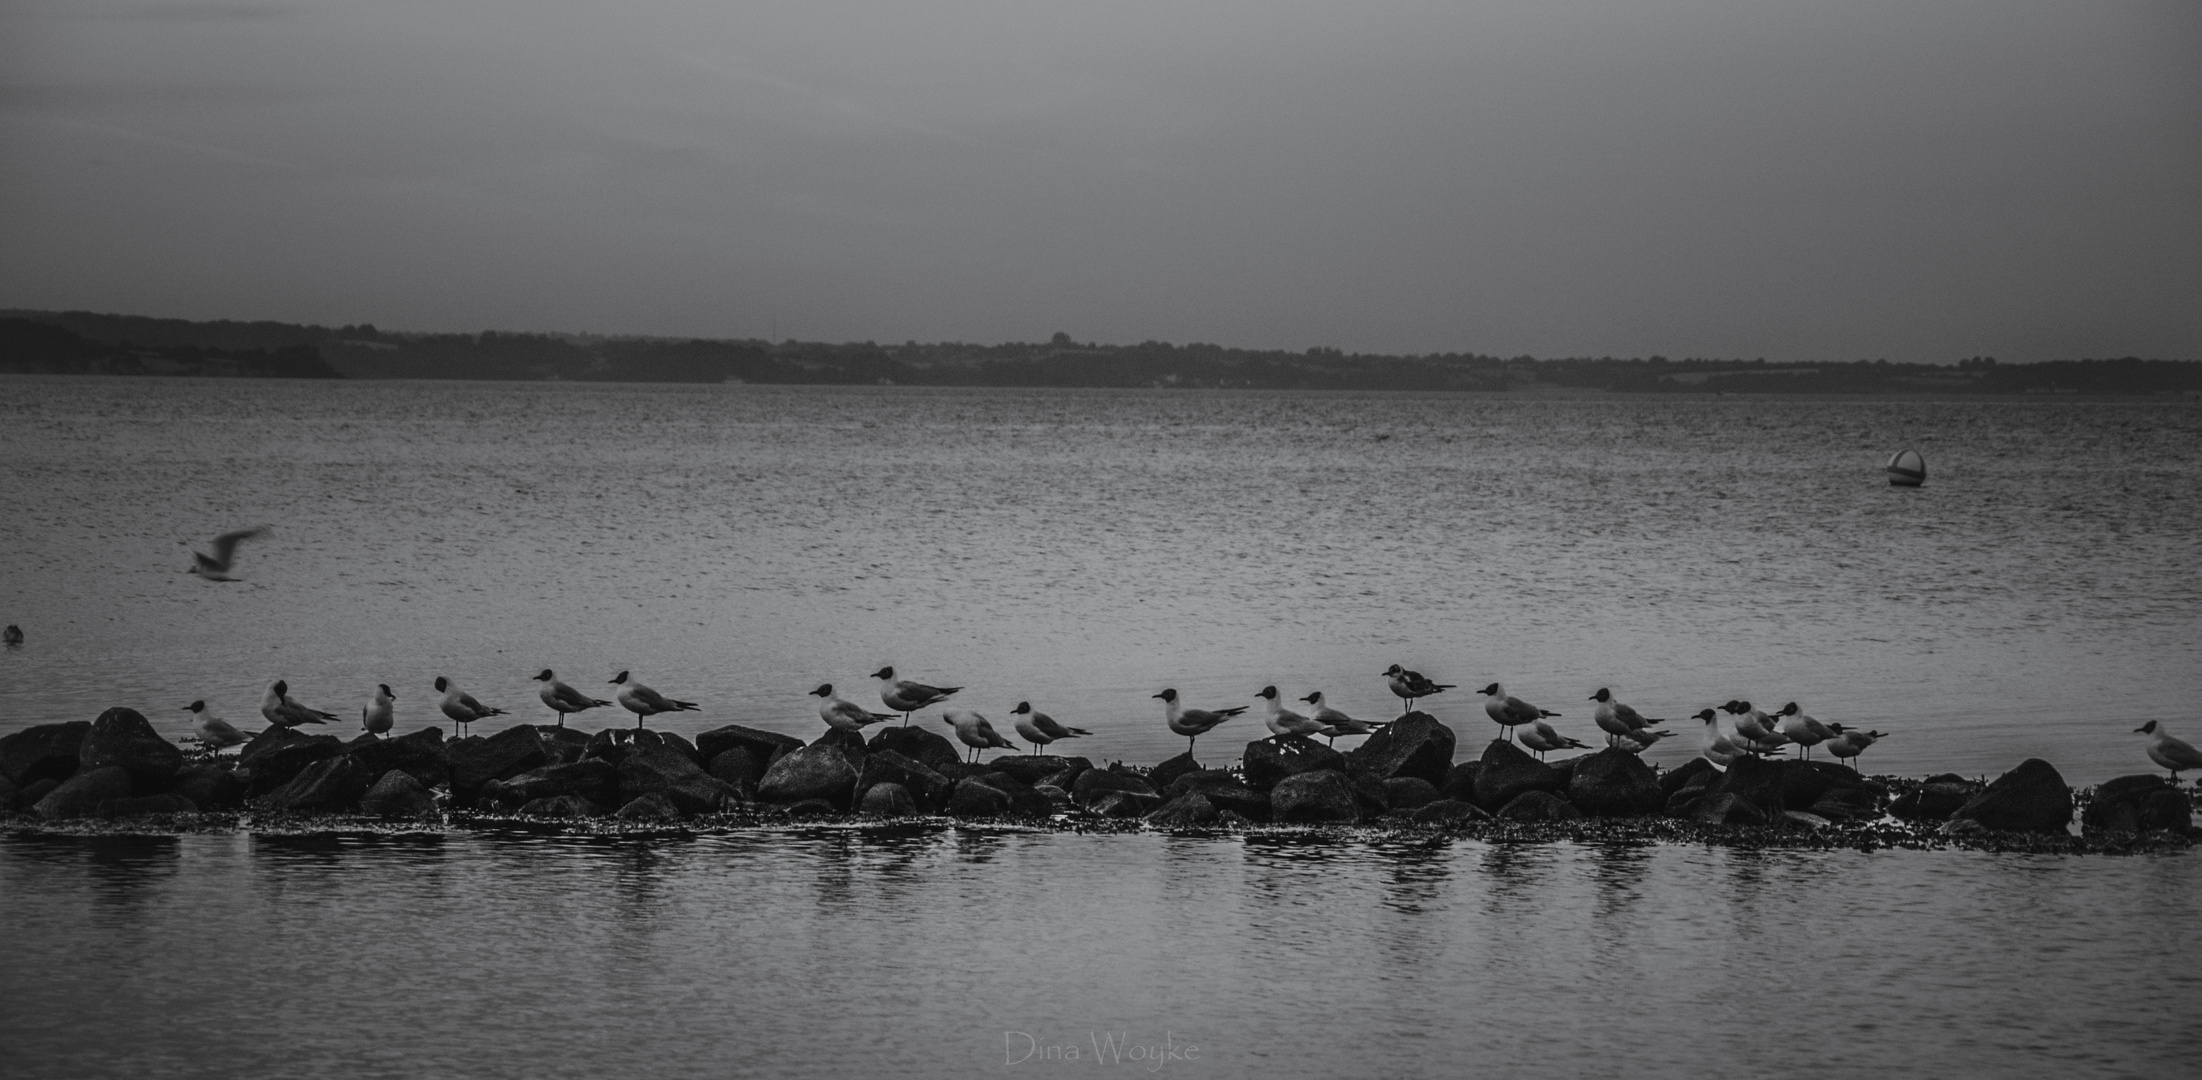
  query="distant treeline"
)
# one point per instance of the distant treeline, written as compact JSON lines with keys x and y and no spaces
{"x":76,"y":341}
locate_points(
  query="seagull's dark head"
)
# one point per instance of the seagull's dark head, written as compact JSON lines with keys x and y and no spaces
{"x":387,"y":692}
{"x":1790,"y":709}
{"x":1393,"y":670}
{"x":196,"y":706}
{"x":1268,"y":693}
{"x":824,"y":690}
{"x":544,"y":676}
{"x":2146,"y":729}
{"x":281,"y":688}
{"x":1313,"y":698}
{"x":1491,"y":689}
{"x":619,"y":678}
{"x":1022,"y":708}
{"x":1731,"y":706}
{"x":1707,"y":715}
{"x":1603,"y":694}
{"x":442,"y":684}
{"x":884,"y":673}
{"x":1743,"y":707}
{"x":1168,"y":695}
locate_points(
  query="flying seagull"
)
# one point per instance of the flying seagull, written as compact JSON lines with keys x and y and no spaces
{"x":215,"y":567}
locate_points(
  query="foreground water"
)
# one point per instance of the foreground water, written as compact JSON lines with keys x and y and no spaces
{"x":833,"y":953}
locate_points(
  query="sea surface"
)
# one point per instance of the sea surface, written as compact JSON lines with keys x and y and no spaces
{"x":1083,"y":549}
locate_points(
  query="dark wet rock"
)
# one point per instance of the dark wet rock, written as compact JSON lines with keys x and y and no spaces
{"x":1460,"y":781}
{"x":1858,"y":803}
{"x":2030,"y":798}
{"x":398,"y":795}
{"x":1697,"y":772}
{"x":1728,"y":808}
{"x":1615,"y":783}
{"x":561,"y":806}
{"x":1095,"y":783}
{"x":8,"y":794}
{"x":37,"y":789}
{"x":1539,"y":806}
{"x":145,"y":805}
{"x":594,"y":779}
{"x":1964,"y":827}
{"x":738,"y":767}
{"x":42,"y":752}
{"x":2134,"y":804}
{"x":664,"y":770}
{"x":810,"y":809}
{"x":564,"y":744}
{"x":651,"y":807}
{"x":1066,"y":778}
{"x":919,"y":745}
{"x":80,"y":795}
{"x":1123,"y":804}
{"x":476,"y":760}
{"x":1414,"y":745}
{"x":888,"y":799}
{"x":1410,"y":792}
{"x":329,"y":786}
{"x":1165,"y":774}
{"x":1799,"y":819}
{"x":761,"y":744}
{"x":973,"y":799}
{"x":1191,"y":809}
{"x":1565,"y":769}
{"x":1222,"y":790}
{"x":210,"y":787}
{"x":1314,"y":798}
{"x":610,"y":744}
{"x":1684,"y":803}
{"x":927,"y":786}
{"x":1450,"y":812}
{"x":1057,"y":798}
{"x":1936,"y":798}
{"x":1024,"y":801}
{"x":420,"y":754}
{"x":278,"y":754}
{"x":1032,"y":768}
{"x":1369,"y":794}
{"x":1508,"y":771}
{"x":673,"y":740}
{"x":124,"y":738}
{"x":818,"y":771}
{"x":850,"y":743}
{"x":1268,"y":762}
{"x":1754,"y":780}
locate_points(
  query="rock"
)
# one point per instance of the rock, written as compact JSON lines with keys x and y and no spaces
{"x":2135,"y":804}
{"x":8,"y":795}
{"x":38,"y":789}
{"x":673,"y":740}
{"x":1413,"y":745}
{"x":419,"y":753}
{"x":809,"y":809}
{"x":1539,"y":806}
{"x":929,"y":788}
{"x":1023,"y":800}
{"x":277,"y":755}
{"x":850,"y":743}
{"x":1224,"y":792}
{"x":329,"y":786}
{"x":917,"y":744}
{"x":565,"y":745}
{"x":562,"y":806}
{"x":398,"y":796}
{"x":143,"y":805}
{"x":42,"y":752}
{"x":80,"y":795}
{"x":1123,"y":804}
{"x":476,"y":760}
{"x":1165,"y":774}
{"x":1369,"y":794}
{"x":1698,"y":772}
{"x":762,"y":745}
{"x":1754,"y":780}
{"x":1057,"y":798}
{"x":1449,"y":812}
{"x":651,"y":807}
{"x":888,"y":799}
{"x":1728,"y":808}
{"x":973,"y":799}
{"x":818,"y":771}
{"x":1615,"y":783}
{"x":1031,"y":769}
{"x":1848,"y":804}
{"x":1266,"y":763}
{"x":1565,"y":768}
{"x":1410,"y":792}
{"x":1460,"y":781}
{"x":1684,"y":803}
{"x":1095,"y":783}
{"x":210,"y":787}
{"x":1066,"y":778}
{"x":1508,"y":771}
{"x":738,"y":767}
{"x":2030,"y":798}
{"x":594,"y":779}
{"x":610,"y":744}
{"x":1799,"y":819}
{"x":1936,"y":799}
{"x":1191,"y":809}
{"x":124,"y":738}
{"x":1963,"y":827}
{"x":1323,"y":796}
{"x":665,"y":770}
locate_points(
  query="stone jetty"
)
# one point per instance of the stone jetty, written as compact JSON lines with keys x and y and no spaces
{"x":1411,"y":775}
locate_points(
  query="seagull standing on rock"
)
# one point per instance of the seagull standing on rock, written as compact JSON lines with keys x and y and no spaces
{"x":1283,"y":723}
{"x":841,"y":714}
{"x":1039,"y":728}
{"x":973,"y":731}
{"x":1336,"y":723}
{"x":461,"y":707}
{"x":1544,"y":738}
{"x":377,"y":717}
{"x":563,"y":699}
{"x":1792,"y":724}
{"x":214,"y":732}
{"x":1848,"y":744}
{"x":906,"y":697}
{"x":2173,"y":754}
{"x":643,"y":701}
{"x":215,"y":567}
{"x":1510,"y":712}
{"x":280,"y":710}
{"x":1411,"y":685}
{"x":1616,"y":719}
{"x":1192,"y":723}
{"x":1717,"y":747}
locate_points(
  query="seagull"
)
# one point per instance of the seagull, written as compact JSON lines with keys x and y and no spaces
{"x":1753,"y":724}
{"x":378,"y":716}
{"x":906,"y":697}
{"x":1718,"y":748}
{"x":1039,"y":728}
{"x":1542,"y":738}
{"x":843,"y":715}
{"x":213,"y":731}
{"x":1616,"y":719}
{"x":1640,"y":741}
{"x":1802,"y":730}
{"x":12,"y":636}
{"x":643,"y":701}
{"x":215,"y":567}
{"x":1192,"y":723}
{"x":1336,"y":723}
{"x":2172,"y":754}
{"x":1411,"y":684}
{"x":282,"y":711}
{"x":1850,"y":744}
{"x":1284,"y":723}
{"x":1510,"y":712}
{"x":461,"y":707}
{"x":973,"y":731}
{"x":563,"y":699}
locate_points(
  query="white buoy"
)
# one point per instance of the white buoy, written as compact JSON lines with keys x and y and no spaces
{"x":1907,"y":469}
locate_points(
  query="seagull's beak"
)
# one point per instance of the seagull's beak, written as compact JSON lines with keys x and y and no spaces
{"x":2136,"y":731}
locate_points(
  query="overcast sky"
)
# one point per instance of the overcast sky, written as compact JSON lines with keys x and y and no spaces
{"x":1914,"y":180}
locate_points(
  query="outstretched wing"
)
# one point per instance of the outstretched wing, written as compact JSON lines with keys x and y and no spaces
{"x":225,"y":545}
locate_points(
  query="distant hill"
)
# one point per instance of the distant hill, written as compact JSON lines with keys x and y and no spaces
{"x":79,"y":341}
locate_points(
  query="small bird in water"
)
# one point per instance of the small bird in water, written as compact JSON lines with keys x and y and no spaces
{"x":1039,"y":728}
{"x":460,"y":706}
{"x":12,"y":636}
{"x":906,"y":697}
{"x":1283,"y":723}
{"x":643,"y":701}
{"x":1510,"y":712}
{"x":563,"y":699}
{"x":283,"y":711}
{"x":1804,"y":731}
{"x":1616,"y":719}
{"x":1848,"y":744}
{"x":379,"y":715}
{"x":1192,"y":723}
{"x":973,"y":731}
{"x":844,"y":715}
{"x":215,"y":567}
{"x":1544,"y":738}
{"x":2173,"y":754}
{"x":1336,"y":723}
{"x":214,"y":732}
{"x":1411,"y":685}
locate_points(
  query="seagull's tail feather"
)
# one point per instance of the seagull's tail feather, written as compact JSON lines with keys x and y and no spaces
{"x":1077,"y":731}
{"x":1230,"y":712}
{"x":684,"y":706}
{"x":1546,"y":713}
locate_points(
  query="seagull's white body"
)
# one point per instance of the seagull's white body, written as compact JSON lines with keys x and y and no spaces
{"x":214,"y":732}
{"x":379,"y":715}
{"x":1283,"y":722}
{"x":282,"y":711}
{"x":215,"y":567}
{"x":974,"y":731}
{"x":842,"y":714}
{"x":1192,"y":723}
{"x":1717,"y":747}
{"x":564,"y":700}
{"x":1510,"y":712}
{"x":1039,"y":728}
{"x":460,"y":706}
{"x":643,"y":701}
{"x":906,"y":697}
{"x":2176,"y":755}
{"x":1616,"y":719}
